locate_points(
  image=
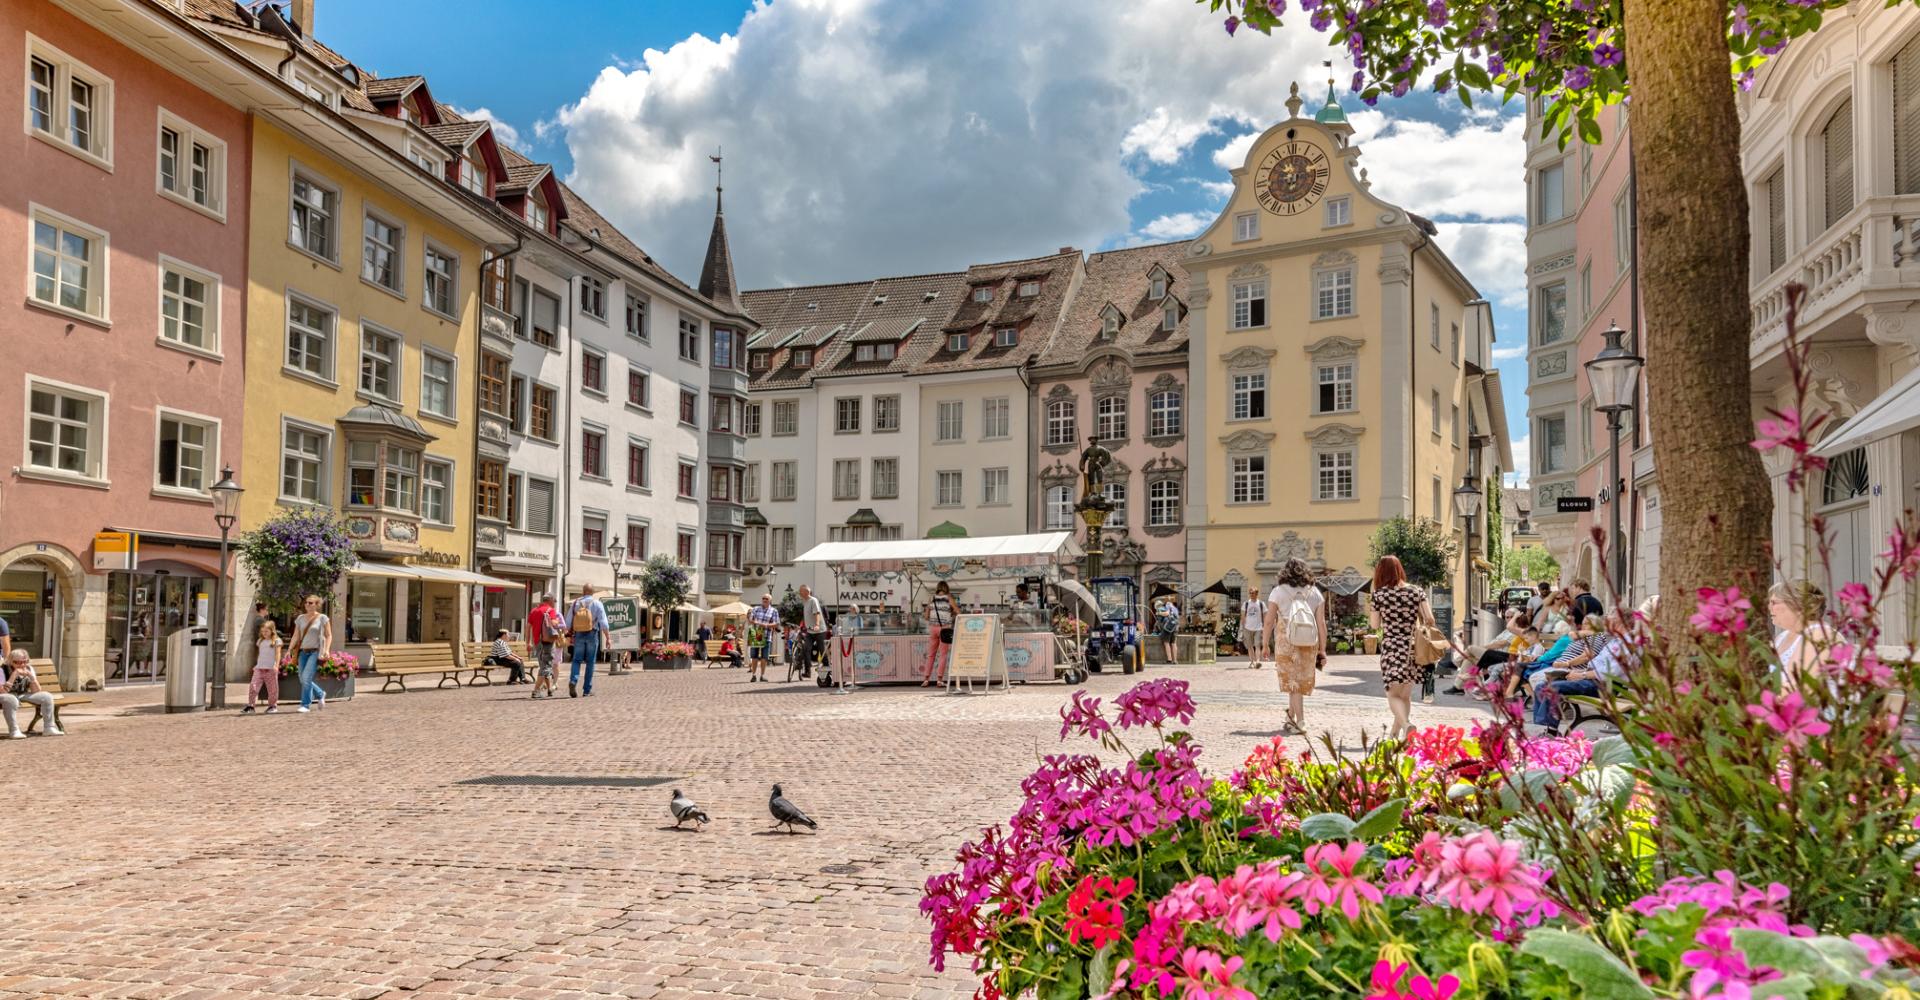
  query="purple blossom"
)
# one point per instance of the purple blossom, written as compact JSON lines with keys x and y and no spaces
{"x":1233,"y":24}
{"x":1437,"y":13}
{"x":1496,"y":65}
{"x":1400,"y":89}
{"x":1773,"y":48}
{"x":1276,"y":7}
{"x":1545,"y":41}
{"x":1740,"y":23}
{"x":1577,"y":78}
{"x":1322,"y":19}
{"x":1359,"y":81}
{"x":1607,"y":55}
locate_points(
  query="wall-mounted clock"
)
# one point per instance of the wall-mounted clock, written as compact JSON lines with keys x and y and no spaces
{"x":1292,"y":177}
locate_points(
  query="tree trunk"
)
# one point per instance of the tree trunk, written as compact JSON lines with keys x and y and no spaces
{"x":1693,"y":279}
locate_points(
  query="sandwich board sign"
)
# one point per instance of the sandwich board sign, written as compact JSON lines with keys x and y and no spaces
{"x":623,"y":622}
{"x":978,"y":653}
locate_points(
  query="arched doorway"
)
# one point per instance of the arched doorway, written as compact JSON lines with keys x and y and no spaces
{"x":40,"y":585}
{"x":1844,"y":489}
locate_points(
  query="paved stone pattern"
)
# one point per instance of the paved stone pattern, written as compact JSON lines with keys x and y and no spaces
{"x":336,"y":855}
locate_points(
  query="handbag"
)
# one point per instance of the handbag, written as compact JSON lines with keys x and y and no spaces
{"x":1429,"y":645}
{"x":946,"y":636}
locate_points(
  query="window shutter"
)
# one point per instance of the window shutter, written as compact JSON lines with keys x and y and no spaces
{"x":1837,"y":142}
{"x":1776,"y":219}
{"x":539,"y":506}
{"x":1906,"y":118}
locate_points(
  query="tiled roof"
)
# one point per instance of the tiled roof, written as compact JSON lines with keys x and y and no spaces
{"x":716,"y":272}
{"x":923,"y":309}
{"x":454,"y":135}
{"x":586,"y":220}
{"x":521,"y":175}
{"x":392,"y":87}
{"x":1122,"y":277}
{"x":229,"y":14}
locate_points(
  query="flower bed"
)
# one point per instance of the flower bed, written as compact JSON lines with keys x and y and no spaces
{"x":666,"y":650}
{"x":334,"y":664}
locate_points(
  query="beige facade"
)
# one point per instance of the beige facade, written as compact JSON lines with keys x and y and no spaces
{"x":1335,"y":358}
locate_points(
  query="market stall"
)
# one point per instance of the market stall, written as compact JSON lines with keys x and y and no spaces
{"x":987,"y":576}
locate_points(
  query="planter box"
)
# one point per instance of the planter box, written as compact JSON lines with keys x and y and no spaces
{"x":666,"y":663}
{"x":337,"y":688}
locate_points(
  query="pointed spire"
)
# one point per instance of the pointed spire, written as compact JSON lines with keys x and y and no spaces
{"x":716,"y":274}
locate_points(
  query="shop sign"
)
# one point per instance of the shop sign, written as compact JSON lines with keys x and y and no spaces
{"x":886,"y":596}
{"x":115,"y":550}
{"x":368,"y":619}
{"x":429,"y":557}
{"x":1572,"y":505}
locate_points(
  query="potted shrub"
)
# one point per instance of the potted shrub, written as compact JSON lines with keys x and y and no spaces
{"x":335,"y":676}
{"x":666,"y":655}
{"x":1370,"y":642}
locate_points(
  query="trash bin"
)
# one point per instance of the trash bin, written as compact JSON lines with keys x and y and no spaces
{"x":188,"y":655}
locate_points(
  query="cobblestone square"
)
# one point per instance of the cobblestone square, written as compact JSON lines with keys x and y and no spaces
{"x":342,"y":854}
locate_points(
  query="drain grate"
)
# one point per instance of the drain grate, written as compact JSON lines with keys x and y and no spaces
{"x":840,"y":870}
{"x":566,"y":781}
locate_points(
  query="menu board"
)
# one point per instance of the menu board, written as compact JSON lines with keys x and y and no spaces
{"x":978,"y":652}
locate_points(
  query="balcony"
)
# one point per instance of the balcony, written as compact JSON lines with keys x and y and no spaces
{"x":722,"y":581}
{"x":731,"y":381}
{"x":725,"y":515}
{"x":1871,"y":255}
{"x":726,"y":447}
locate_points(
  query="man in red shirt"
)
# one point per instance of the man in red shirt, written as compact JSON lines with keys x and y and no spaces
{"x":544,"y":628}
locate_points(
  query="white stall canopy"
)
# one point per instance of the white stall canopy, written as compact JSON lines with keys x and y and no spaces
{"x":989,"y":552}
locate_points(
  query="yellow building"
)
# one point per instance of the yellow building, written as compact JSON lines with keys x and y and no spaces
{"x":362,"y":327}
{"x":1339,"y":372}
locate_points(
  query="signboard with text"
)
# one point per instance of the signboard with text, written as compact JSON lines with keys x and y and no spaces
{"x":1573,"y":505}
{"x":978,"y":653}
{"x":623,"y":622}
{"x":115,"y":550}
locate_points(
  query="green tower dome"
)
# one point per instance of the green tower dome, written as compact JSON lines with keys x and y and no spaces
{"x":1331,"y":114}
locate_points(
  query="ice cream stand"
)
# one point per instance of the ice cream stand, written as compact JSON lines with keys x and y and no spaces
{"x":889,"y":642}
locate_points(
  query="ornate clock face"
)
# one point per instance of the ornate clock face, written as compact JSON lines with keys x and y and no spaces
{"x":1292,"y":178}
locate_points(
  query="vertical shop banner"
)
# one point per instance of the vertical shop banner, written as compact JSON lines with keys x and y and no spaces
{"x":623,"y":622}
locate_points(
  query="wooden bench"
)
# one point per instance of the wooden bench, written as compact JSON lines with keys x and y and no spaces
{"x":475,"y":657}
{"x":49,"y":678}
{"x":397,"y":661}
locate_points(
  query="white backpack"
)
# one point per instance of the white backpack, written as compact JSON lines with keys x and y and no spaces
{"x":1303,"y":629}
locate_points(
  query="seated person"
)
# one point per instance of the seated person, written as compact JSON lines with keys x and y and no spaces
{"x":22,"y":685}
{"x":1536,"y":661}
{"x":1523,"y":646}
{"x":730,"y":650}
{"x":1607,"y":666}
{"x":501,"y":655}
{"x":1586,"y":645}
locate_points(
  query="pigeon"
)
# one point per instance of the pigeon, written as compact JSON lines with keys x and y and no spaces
{"x":684,"y":810}
{"x":787,"y":814}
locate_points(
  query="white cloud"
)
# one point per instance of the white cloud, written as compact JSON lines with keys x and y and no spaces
{"x":866,"y":138}
{"x":1474,"y":171}
{"x":1177,"y":226}
{"x":1509,"y":353}
{"x":1233,"y":155}
{"x":1522,"y":471}
{"x":501,"y":130}
{"x":1221,"y":190}
{"x":1493,"y":255}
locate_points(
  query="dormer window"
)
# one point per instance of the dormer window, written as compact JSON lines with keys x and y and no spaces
{"x":803,"y":357}
{"x":983,"y":294}
{"x":873,"y":352}
{"x":537,"y":213}
{"x":1157,"y":285}
{"x":879,"y":300}
{"x":473,"y":172}
{"x":1006,"y":336}
{"x":1029,"y":289}
{"x":1170,"y":316}
{"x":1109,"y":321}
{"x":758,"y":361}
{"x":957,"y":342}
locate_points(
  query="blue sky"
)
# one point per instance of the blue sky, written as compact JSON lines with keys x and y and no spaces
{"x":868,"y":137}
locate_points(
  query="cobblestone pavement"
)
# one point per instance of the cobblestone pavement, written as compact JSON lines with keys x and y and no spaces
{"x":340,"y":854}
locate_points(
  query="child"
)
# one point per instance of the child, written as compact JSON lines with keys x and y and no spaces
{"x":266,"y":668}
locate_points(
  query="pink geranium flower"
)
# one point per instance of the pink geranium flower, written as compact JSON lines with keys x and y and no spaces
{"x":1386,"y":981}
{"x":1484,"y":874}
{"x":1721,"y":612}
{"x":1422,"y":988}
{"x":1790,"y":716}
{"x":1204,"y":976}
{"x":1331,"y":879}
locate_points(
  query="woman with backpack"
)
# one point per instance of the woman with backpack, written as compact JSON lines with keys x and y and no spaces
{"x":1297,"y":612}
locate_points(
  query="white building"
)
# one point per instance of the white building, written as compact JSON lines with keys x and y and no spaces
{"x":1831,"y":150}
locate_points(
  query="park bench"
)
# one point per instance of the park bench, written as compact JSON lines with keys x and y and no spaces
{"x":395,"y":662}
{"x":475,"y":657}
{"x":49,"y":678}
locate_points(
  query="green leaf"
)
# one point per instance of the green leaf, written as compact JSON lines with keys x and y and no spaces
{"x":1476,"y":74}
{"x":1787,"y":954}
{"x":1383,"y":820}
{"x":1100,"y":971}
{"x":1327,"y":826}
{"x":1598,"y":972}
{"x":1589,"y":129}
{"x":1466,"y":97}
{"x":1613,"y":751}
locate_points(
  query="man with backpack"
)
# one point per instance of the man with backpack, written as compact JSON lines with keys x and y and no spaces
{"x":587,"y":618}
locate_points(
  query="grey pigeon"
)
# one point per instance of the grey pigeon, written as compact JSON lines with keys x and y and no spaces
{"x":787,"y":814}
{"x":684,"y":811}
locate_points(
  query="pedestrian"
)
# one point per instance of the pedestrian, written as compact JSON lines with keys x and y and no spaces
{"x":1253,"y":626}
{"x":587,"y":619}
{"x":253,"y":621}
{"x":312,"y":641}
{"x":501,"y":655}
{"x":763,"y":623}
{"x":23,"y":686}
{"x":940,"y":618}
{"x":1166,"y":622}
{"x":701,"y":635}
{"x":267,"y":649}
{"x":1584,"y":603}
{"x":1398,"y":606}
{"x":813,"y":632}
{"x":6,"y":641}
{"x":1803,"y":639}
{"x":1297,"y":620}
{"x":1541,"y":590}
{"x":544,"y":629}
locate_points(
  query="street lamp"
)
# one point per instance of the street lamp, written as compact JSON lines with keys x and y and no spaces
{"x":1613,"y":375}
{"x":616,"y":554}
{"x":1466,"y":503}
{"x":226,"y":510}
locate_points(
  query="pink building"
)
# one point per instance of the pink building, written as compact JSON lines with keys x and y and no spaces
{"x":1118,"y":369}
{"x":1585,"y":193}
{"x":123,"y":216}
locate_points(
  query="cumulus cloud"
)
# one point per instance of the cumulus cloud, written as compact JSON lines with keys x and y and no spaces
{"x":1510,"y":352}
{"x":1522,"y":471}
{"x":1473,"y":171}
{"x":1177,"y":226}
{"x":501,"y":130}
{"x":1493,"y":255}
{"x":1233,"y":155}
{"x":867,"y":138}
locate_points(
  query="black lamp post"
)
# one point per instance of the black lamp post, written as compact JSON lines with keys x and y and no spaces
{"x":616,"y":554}
{"x":1613,"y":374}
{"x":1466,"y":503}
{"x":226,"y":510}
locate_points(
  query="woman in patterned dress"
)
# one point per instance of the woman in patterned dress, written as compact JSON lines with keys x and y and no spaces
{"x":1397,"y":607}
